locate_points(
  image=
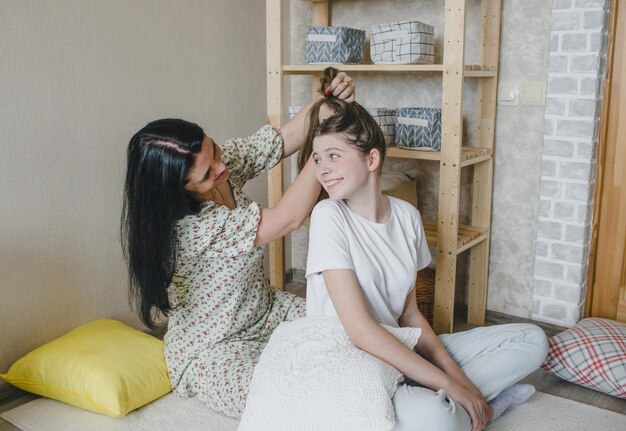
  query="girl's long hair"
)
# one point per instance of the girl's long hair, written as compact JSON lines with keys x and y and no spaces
{"x":160,"y":156}
{"x":349,"y":119}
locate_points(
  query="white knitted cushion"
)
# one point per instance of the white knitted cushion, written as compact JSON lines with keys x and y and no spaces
{"x":311,"y":377}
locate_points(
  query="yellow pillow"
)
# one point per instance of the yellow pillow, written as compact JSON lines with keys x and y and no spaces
{"x":103,"y":366}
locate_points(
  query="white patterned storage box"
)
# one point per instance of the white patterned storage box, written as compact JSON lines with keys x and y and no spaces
{"x":418,"y":128}
{"x":403,"y":43}
{"x":334,"y":45}
{"x":386,"y":119}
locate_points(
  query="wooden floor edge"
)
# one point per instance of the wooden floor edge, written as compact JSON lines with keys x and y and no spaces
{"x":9,"y":393}
{"x":496,"y":318}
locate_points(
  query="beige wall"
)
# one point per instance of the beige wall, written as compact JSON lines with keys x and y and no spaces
{"x":77,"y":78}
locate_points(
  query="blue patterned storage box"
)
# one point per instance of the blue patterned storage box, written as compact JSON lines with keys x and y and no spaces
{"x":334,"y":45}
{"x":403,"y":43}
{"x":419,"y":128}
{"x":386,"y":119}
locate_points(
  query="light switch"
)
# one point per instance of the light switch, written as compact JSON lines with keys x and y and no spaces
{"x":508,"y":94}
{"x":534,"y":93}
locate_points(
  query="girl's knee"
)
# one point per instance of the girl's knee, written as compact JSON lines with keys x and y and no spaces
{"x":422,"y":409}
{"x":536,"y":337}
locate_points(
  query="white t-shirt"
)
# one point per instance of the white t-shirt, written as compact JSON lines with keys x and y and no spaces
{"x":384,"y":256}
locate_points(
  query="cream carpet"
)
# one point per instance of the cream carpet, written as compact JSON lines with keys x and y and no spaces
{"x":542,"y":412}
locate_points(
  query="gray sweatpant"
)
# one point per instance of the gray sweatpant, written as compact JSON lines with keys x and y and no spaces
{"x":492,"y":357}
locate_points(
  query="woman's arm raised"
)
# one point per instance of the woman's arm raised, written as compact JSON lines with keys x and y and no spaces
{"x":292,"y":209}
{"x":296,"y":204}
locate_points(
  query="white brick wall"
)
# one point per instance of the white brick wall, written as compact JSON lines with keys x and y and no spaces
{"x":578,"y":37}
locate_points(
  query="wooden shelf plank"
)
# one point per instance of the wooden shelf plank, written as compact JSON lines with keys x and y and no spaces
{"x":405,"y":153}
{"x":468,"y":236}
{"x":309,"y":69}
{"x":304,"y":69}
{"x":480,"y":73}
{"x":480,"y":238}
{"x":469,"y":155}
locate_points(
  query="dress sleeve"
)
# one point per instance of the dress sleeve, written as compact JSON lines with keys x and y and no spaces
{"x":219,"y":232}
{"x":248,"y":157}
{"x":328,"y":245}
{"x":423,"y":253}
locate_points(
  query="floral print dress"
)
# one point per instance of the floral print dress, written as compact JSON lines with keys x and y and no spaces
{"x":223,"y":310}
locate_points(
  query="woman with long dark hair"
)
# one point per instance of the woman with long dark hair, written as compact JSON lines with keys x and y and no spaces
{"x":194,"y":245}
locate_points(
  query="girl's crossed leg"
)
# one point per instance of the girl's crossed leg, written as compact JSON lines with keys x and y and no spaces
{"x":493,"y":358}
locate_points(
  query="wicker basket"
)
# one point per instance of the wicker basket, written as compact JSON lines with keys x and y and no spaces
{"x":425,"y":293}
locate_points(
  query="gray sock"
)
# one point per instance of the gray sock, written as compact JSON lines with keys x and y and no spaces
{"x":511,"y":398}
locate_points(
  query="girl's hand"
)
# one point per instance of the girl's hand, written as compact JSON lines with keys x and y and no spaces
{"x":342,"y":87}
{"x":479,"y":410}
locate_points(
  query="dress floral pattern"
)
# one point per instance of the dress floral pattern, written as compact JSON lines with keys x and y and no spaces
{"x":223,"y":310}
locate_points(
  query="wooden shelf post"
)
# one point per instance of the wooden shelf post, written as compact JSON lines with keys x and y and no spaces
{"x":483,"y":172}
{"x":450,"y":163}
{"x":274,"y":117}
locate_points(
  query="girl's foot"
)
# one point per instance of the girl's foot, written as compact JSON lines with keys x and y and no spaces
{"x":511,"y":398}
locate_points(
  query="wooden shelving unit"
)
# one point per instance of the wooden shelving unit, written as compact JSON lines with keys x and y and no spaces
{"x":449,"y":237}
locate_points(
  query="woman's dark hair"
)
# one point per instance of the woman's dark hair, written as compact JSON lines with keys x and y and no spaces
{"x":350,"y":119}
{"x":160,"y":156}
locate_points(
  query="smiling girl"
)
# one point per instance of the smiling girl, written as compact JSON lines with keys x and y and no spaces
{"x":365,"y":249}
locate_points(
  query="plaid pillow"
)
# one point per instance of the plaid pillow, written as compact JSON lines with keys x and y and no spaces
{"x":591,"y":353}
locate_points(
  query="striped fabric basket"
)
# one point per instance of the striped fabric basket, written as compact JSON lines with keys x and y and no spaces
{"x":418,"y":128}
{"x":334,"y":45}
{"x":403,"y":43}
{"x":386,"y":119}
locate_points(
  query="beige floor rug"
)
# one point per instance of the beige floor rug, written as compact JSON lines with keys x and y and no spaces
{"x":542,"y":412}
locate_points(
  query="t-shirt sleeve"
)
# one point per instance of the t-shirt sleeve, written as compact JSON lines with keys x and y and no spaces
{"x":328,"y":244}
{"x":423,"y":253}
{"x":248,"y":157}
{"x":219,"y":232}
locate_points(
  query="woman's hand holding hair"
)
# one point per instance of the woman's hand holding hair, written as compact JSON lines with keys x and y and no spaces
{"x":342,"y":87}
{"x":337,"y":84}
